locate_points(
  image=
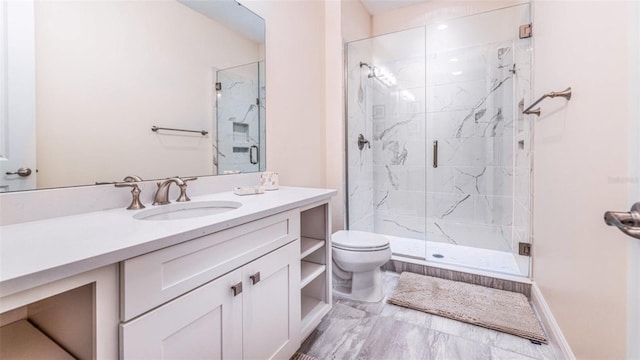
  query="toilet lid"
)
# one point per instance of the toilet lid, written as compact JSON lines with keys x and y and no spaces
{"x":359,"y":240}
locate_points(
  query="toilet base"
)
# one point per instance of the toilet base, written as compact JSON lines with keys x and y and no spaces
{"x":368,"y":287}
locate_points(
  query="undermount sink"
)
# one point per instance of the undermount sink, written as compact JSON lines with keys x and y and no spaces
{"x":186,"y":210}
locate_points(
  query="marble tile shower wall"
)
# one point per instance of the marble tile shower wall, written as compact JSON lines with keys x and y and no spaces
{"x":399,"y":150}
{"x":469,"y":198}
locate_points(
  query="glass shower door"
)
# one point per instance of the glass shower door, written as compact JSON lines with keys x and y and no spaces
{"x":478,"y":168}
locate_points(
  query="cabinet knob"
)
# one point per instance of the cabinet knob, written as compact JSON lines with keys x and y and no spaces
{"x":237,"y":289}
{"x":255,"y":278}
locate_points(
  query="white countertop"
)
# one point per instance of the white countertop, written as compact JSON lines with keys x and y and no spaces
{"x":38,"y":252}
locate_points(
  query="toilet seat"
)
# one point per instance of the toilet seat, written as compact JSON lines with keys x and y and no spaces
{"x":359,"y":241}
{"x":360,"y":249}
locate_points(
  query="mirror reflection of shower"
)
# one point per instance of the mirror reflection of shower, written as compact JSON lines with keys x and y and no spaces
{"x":240,"y":119}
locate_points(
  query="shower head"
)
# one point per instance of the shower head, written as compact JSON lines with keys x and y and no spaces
{"x":372,"y":69}
{"x":381,"y":74}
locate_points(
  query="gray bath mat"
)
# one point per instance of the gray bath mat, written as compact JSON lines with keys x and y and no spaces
{"x":490,"y":308}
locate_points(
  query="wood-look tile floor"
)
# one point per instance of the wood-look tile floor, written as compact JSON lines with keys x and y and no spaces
{"x":359,"y":330}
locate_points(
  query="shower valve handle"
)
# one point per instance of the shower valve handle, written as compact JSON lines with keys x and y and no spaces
{"x":362,"y":141}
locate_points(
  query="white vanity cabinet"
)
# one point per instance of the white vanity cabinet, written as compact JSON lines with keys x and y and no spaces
{"x":104,"y":286}
{"x":240,"y":299}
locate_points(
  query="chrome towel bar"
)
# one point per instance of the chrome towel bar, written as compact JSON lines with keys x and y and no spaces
{"x":566,"y":93}
{"x":156,"y":128}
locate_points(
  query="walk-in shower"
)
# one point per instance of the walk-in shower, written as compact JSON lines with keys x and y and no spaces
{"x":438,"y":150}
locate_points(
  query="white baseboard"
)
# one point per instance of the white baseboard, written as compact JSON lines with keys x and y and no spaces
{"x":556,"y":338}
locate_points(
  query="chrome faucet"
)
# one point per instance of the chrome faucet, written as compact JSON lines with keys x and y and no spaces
{"x":162,"y":194}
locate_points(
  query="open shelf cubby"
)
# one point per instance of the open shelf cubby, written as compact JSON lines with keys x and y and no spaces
{"x":309,"y":245}
{"x":309,"y":271}
{"x":315,"y":265}
{"x":33,"y":331}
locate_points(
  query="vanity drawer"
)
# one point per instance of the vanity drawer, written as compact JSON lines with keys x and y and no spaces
{"x":152,"y":279}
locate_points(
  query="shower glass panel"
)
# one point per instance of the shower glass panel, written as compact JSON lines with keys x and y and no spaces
{"x":447,"y":176}
{"x":386,"y":138}
{"x":240,"y":119}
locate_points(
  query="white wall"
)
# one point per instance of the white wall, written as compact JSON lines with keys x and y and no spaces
{"x":295,"y":59}
{"x":305,"y":129}
{"x":334,"y":142}
{"x":108,"y":71}
{"x":580,"y":150}
{"x":355,"y":21}
{"x":633,"y":253}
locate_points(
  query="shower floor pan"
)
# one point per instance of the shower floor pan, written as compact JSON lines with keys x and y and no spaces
{"x":457,"y":255}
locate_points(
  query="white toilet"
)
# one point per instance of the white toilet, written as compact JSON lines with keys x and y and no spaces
{"x":357,"y":257}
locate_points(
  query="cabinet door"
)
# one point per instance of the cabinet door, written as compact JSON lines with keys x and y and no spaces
{"x":272,"y":304}
{"x":191,"y":326}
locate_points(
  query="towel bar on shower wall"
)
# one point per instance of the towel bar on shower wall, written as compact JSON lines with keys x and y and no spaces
{"x":566,"y":93}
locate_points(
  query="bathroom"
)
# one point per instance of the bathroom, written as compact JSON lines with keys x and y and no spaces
{"x":584,"y":161}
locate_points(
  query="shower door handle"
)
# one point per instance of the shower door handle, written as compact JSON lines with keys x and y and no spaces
{"x":627,"y":222}
{"x":435,"y":153}
{"x":253,"y":160}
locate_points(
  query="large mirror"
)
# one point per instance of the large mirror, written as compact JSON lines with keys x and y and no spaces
{"x":93,"y":91}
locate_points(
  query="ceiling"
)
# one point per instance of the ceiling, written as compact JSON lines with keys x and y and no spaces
{"x":380,"y":6}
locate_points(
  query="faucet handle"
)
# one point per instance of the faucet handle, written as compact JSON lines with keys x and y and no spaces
{"x":183,"y":189}
{"x":135,"y":193}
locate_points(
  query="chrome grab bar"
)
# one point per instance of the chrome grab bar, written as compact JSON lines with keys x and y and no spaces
{"x":566,"y":93}
{"x":627,"y":222}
